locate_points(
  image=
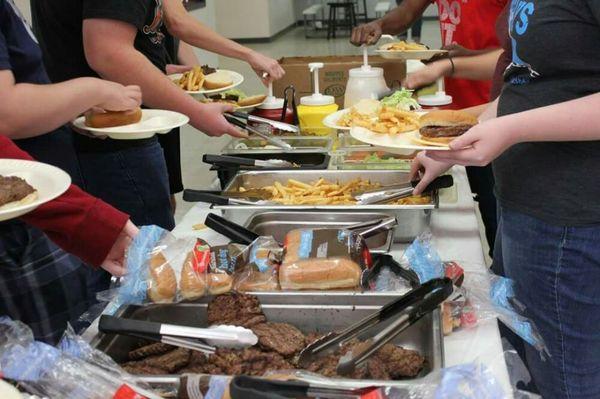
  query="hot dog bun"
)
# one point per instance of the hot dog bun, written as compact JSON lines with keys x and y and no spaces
{"x":106,"y":119}
{"x":162,"y":286}
{"x":192,"y":285}
{"x":319,"y":274}
{"x":219,"y":283}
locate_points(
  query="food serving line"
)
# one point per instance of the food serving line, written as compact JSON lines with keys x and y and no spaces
{"x":456,"y":237}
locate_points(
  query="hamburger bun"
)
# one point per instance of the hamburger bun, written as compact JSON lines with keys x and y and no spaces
{"x":162,"y":286}
{"x":252,"y":100}
{"x":106,"y":119}
{"x":443,"y":126}
{"x":24,"y":201}
{"x":256,"y":281}
{"x":217,"y":80}
{"x":367,"y":107}
{"x":219,"y":283}
{"x":192,"y":285}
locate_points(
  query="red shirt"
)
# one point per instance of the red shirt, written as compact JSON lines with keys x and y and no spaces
{"x":469,"y":23}
{"x":77,"y":222}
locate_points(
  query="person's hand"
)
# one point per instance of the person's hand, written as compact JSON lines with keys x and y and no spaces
{"x":426,"y":169}
{"x":262,"y":64}
{"x":427,"y":75}
{"x":368,"y":34}
{"x":115,"y":260}
{"x":118,"y":97}
{"x":209,"y":120}
{"x":172,"y":69}
{"x":479,"y":146}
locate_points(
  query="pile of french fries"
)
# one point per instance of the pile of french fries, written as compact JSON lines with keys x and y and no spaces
{"x":405,"y":46}
{"x":394,"y":121}
{"x":321,"y":192}
{"x":192,"y":80}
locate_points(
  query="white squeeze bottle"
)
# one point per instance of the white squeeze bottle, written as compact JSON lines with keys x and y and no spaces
{"x":365,"y":82}
{"x":314,"y":108}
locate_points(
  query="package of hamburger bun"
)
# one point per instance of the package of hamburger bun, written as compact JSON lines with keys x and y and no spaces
{"x":321,"y":259}
{"x":257,"y":266}
{"x":161,"y":269}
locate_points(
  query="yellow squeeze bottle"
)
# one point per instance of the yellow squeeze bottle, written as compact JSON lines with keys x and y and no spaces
{"x":314,"y":108}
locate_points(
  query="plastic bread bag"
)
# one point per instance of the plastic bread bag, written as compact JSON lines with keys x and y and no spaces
{"x":257,"y":266}
{"x":423,"y":259}
{"x":323,"y":259}
{"x":160,"y":269}
{"x":195,"y":386}
{"x":44,"y":370}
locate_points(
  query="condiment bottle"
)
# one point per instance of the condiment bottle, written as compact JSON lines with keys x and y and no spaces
{"x":314,"y":108}
{"x":272,"y":109}
{"x":439,"y":100}
{"x":365,"y":82}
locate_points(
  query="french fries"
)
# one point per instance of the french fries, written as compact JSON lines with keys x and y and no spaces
{"x":389,"y":121}
{"x":192,"y":80}
{"x":405,"y":46}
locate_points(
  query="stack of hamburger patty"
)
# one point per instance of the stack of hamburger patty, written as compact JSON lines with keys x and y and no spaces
{"x":277,"y":349}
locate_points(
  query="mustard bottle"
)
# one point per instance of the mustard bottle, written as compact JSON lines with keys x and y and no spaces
{"x":314,"y":108}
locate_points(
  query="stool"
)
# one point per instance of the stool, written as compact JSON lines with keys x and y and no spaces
{"x":349,"y":16}
{"x":365,"y":12}
{"x":311,"y":11}
{"x":381,"y":8}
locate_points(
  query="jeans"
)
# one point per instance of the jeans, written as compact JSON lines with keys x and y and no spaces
{"x":133,"y":180}
{"x":557,"y":275}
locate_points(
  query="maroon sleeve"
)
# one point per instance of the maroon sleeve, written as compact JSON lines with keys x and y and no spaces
{"x":77,"y":222}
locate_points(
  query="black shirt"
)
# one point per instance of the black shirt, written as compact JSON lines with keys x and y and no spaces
{"x":20,"y":53}
{"x":555,"y":58}
{"x":59,"y":25}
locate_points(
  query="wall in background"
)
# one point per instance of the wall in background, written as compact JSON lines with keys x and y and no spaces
{"x":253,"y":19}
{"x":300,"y":5}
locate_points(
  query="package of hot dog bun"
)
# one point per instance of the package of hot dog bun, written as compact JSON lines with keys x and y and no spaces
{"x":257,"y":266}
{"x":320,"y":259}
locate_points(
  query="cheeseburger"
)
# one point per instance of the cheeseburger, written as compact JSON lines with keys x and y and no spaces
{"x":444,"y":126}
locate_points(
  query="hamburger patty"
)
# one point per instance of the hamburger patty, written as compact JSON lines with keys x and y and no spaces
{"x":235,"y":309}
{"x":13,"y":189}
{"x":282,"y":338}
{"x":444,"y":131}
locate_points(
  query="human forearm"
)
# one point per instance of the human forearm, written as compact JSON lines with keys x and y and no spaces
{"x":576,"y":120}
{"x":28,"y":110}
{"x":401,"y":18}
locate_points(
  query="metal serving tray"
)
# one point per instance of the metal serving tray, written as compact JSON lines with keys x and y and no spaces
{"x":412,"y":219}
{"x":278,"y":224}
{"x":326,"y":312}
{"x":299,"y":145}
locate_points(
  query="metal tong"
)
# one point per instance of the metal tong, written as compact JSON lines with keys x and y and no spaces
{"x":244,"y":387}
{"x":229,"y":161}
{"x":406,"y":310}
{"x":181,"y":336}
{"x":232,"y":117}
{"x":390,"y":193}
{"x":286,"y":127}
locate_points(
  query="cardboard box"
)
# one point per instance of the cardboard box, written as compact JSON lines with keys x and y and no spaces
{"x":334,"y":76}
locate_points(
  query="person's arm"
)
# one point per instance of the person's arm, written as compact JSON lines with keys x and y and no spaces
{"x":109,"y":50}
{"x":28,"y":110}
{"x":77,"y":222}
{"x":394,"y":22}
{"x":476,"y":67}
{"x":575,"y":120}
{"x":188,"y":29}
{"x":186,"y":55}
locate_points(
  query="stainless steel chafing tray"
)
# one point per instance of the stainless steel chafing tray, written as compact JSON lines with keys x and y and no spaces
{"x":328,"y":311}
{"x":412,"y":219}
{"x":278,"y":224}
{"x":260,"y":146}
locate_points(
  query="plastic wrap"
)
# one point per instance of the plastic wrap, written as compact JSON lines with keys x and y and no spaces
{"x":160,"y":269}
{"x":258,"y":266}
{"x":423,"y":259}
{"x":47,"y":371}
{"x":323,"y":259}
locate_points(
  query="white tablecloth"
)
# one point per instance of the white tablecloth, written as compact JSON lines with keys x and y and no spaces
{"x":456,"y":237}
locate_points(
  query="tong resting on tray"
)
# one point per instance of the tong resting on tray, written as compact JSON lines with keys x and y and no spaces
{"x":233,"y":119}
{"x":407,"y":310}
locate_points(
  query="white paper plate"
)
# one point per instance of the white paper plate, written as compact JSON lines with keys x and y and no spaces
{"x":331,"y":120}
{"x":153,"y":121}
{"x":49,"y":181}
{"x":395,"y":143}
{"x":407,"y":54}
{"x":236,"y":78}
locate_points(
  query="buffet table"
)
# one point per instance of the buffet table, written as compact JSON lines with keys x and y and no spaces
{"x":456,"y":236}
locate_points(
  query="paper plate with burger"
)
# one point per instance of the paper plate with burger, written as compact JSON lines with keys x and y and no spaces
{"x":130,"y":125}
{"x":25,"y":185}
{"x":207,"y":80}
{"x":240,"y":100}
{"x":432,"y":131}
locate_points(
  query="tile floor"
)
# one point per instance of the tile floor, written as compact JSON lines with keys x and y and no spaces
{"x":292,"y":43}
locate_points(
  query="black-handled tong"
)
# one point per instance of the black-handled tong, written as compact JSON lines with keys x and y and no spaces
{"x":244,"y":387}
{"x":233,"y":119}
{"x":274,"y":124}
{"x":233,"y":231}
{"x":395,"y":192}
{"x":407,"y":309}
{"x":220,"y":198}
{"x":229,"y":161}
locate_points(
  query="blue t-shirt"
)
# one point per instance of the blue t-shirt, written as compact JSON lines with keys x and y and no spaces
{"x":21,"y":54}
